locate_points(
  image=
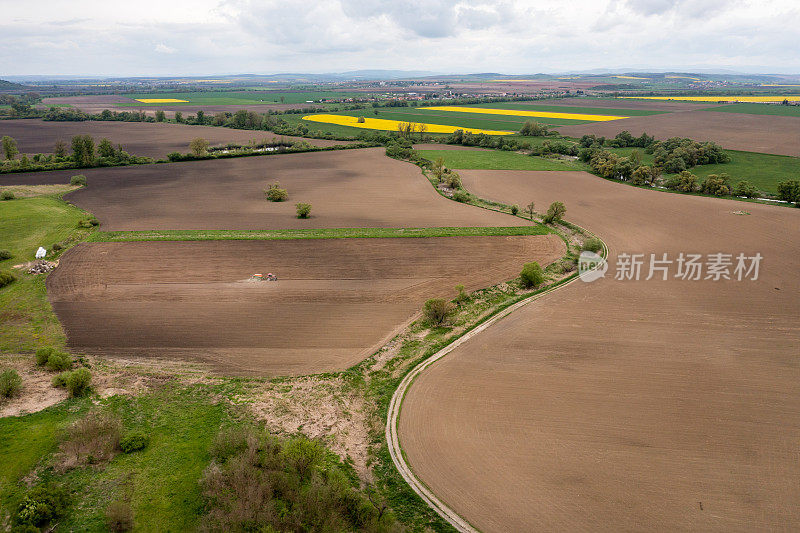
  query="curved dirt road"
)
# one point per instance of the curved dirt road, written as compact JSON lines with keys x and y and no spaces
{"x":625,"y":405}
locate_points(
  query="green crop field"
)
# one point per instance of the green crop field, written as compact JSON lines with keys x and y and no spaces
{"x":760,"y":109}
{"x":497,"y":160}
{"x":543,"y":106}
{"x":238,"y":97}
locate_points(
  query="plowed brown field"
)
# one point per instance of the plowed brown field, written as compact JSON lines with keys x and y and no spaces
{"x":137,"y":138}
{"x":768,"y":134}
{"x":349,"y":188}
{"x":626,"y":405}
{"x":335,"y":301}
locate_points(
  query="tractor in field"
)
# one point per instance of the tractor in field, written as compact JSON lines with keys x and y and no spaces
{"x":261,"y":277}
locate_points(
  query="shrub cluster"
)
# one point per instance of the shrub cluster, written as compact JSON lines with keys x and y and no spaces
{"x":677,"y":154}
{"x":93,"y":439}
{"x":134,"y":442}
{"x":6,"y":278}
{"x":10,"y":383}
{"x":41,"y":505}
{"x":76,"y":381}
{"x":257,"y":482}
{"x":555,"y":213}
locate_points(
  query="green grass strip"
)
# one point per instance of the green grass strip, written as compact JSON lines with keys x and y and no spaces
{"x":321,"y":233}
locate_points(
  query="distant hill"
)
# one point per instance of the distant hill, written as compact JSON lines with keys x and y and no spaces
{"x":9,"y":86}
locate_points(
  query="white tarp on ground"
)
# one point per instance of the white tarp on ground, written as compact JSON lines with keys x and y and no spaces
{"x":40,"y":253}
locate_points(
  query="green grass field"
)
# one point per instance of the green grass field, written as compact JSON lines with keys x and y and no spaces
{"x":239,"y":97}
{"x":497,"y":160}
{"x":542,"y":106}
{"x":760,"y":109}
{"x":26,"y":224}
{"x":764,"y":171}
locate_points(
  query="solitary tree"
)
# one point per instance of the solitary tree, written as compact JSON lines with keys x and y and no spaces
{"x":9,"y":147}
{"x":198,"y":146}
{"x":83,"y":150}
{"x":160,"y":116}
{"x":437,"y":311}
{"x":438,"y":168}
{"x":201,"y":117}
{"x":303,"y":210}
{"x":530,"y":210}
{"x":178,"y":116}
{"x":532,"y":275}
{"x":274,"y":193}
{"x":555,"y":212}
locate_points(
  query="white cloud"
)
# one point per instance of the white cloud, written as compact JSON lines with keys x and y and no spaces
{"x":512,"y":36}
{"x":162,"y":48}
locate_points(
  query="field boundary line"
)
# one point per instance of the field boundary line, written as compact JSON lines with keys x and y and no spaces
{"x":395,"y":405}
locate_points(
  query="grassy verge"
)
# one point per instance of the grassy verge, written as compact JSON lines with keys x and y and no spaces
{"x":321,"y":233}
{"x":25,"y":224}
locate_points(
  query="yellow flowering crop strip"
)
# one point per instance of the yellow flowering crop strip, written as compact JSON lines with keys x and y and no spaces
{"x":161,"y":101}
{"x":393,"y":125}
{"x":519,"y":113}
{"x":778,"y":98}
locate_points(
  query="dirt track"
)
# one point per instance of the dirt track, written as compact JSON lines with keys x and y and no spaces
{"x":626,"y":405}
{"x":349,"y":188}
{"x":736,"y":131}
{"x":148,"y":139}
{"x":335,"y":302}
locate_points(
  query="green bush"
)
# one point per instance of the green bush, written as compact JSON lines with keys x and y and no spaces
{"x":514,"y":209}
{"x":43,"y":354}
{"x":592,"y":244}
{"x":41,"y":505}
{"x":437,"y":311}
{"x":78,"y":382}
{"x":6,"y":278}
{"x":59,"y":380}
{"x":80,"y":179}
{"x":789,"y":191}
{"x":746,"y":189}
{"x":532,"y":275}
{"x":6,"y":195}
{"x":263,"y":483}
{"x":134,"y":442}
{"x":88,"y":222}
{"x":717,"y":184}
{"x":5,"y":254}
{"x":303,"y":210}
{"x":10,"y":383}
{"x":58,"y":361}
{"x":275,"y":194}
{"x":461,"y":196}
{"x":555,"y":213}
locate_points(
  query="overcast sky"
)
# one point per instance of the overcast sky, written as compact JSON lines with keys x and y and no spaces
{"x":197,"y":37}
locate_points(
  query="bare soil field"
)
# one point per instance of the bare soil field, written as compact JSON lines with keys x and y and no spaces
{"x":97,"y":103}
{"x":335,"y":301}
{"x":626,"y":405}
{"x":767,"y":134}
{"x":35,"y":136}
{"x":349,"y":188}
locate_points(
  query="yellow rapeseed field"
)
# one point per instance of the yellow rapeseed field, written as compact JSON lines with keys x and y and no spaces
{"x":778,"y":98}
{"x":519,"y":113}
{"x":630,"y":77}
{"x":161,"y":101}
{"x":393,"y":125}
